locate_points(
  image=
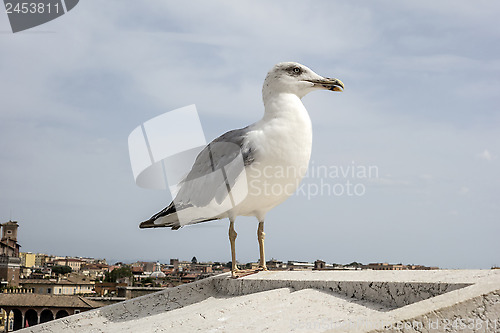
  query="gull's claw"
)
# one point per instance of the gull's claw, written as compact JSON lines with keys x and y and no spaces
{"x":245,"y":272}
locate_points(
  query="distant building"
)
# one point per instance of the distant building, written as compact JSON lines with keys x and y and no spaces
{"x":384,"y":266}
{"x":108,"y":288}
{"x":75,"y":264}
{"x":184,"y":265}
{"x":74,"y":285}
{"x":137,"y":270}
{"x":149,"y":266}
{"x":319,"y":265}
{"x":8,"y":243}
{"x":157,"y":274}
{"x":25,"y":309}
{"x":299,"y":266}
{"x":421,"y":267}
{"x":396,"y":267}
{"x":274,"y":264}
{"x":10,"y":263}
{"x":252,"y":265}
{"x":94,"y":271}
{"x":28,"y":259}
{"x":175,"y":264}
{"x":202,"y":268}
{"x":41,"y":259}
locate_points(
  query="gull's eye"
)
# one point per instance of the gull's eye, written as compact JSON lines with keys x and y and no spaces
{"x":294,"y":71}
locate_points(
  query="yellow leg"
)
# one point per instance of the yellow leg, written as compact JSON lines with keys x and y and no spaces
{"x":260,"y":236}
{"x":232,"y":238}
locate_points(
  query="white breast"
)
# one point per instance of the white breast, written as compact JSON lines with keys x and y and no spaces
{"x":282,"y":141}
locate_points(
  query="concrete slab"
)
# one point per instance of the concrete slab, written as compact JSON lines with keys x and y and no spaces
{"x":317,"y":301}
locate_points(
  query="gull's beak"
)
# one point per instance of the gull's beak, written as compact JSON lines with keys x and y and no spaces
{"x":328,"y":83}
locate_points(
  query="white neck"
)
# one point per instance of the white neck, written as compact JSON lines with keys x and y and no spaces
{"x":283,"y":105}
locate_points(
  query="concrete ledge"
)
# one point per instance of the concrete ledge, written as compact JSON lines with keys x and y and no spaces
{"x":388,"y":293}
{"x":317,"y":301}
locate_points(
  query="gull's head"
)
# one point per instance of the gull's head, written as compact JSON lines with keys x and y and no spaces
{"x":294,"y":78}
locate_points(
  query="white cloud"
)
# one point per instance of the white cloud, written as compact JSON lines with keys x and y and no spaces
{"x":485,"y":155}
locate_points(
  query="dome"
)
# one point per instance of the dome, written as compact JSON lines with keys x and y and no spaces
{"x":157,"y":274}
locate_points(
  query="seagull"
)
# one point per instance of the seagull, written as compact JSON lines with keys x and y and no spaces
{"x":249,"y":171}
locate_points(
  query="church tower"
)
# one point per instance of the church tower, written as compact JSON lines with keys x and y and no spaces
{"x":9,"y":232}
{"x":10,"y":263}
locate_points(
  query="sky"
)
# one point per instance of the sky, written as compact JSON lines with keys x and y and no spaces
{"x":420,"y":111}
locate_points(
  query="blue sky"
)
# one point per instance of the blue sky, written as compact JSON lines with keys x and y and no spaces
{"x":421,"y":104}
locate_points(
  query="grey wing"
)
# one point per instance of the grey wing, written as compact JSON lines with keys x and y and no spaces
{"x":216,"y":169}
{"x":214,"y":173}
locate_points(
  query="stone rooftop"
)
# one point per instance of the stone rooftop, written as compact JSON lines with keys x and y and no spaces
{"x":310,"y":301}
{"x":37,"y":300}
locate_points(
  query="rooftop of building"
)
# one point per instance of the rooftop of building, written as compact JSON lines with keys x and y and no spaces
{"x":38,"y":300}
{"x":71,"y":280}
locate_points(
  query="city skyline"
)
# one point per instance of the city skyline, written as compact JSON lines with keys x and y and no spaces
{"x":58,"y":260}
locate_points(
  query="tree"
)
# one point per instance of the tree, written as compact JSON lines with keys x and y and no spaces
{"x":147,"y":281}
{"x":355,"y":264}
{"x":118,"y":273}
{"x":61,"y":270}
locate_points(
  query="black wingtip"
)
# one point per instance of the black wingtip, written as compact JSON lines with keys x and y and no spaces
{"x":151,"y":224}
{"x":147,"y":224}
{"x":170,"y":209}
